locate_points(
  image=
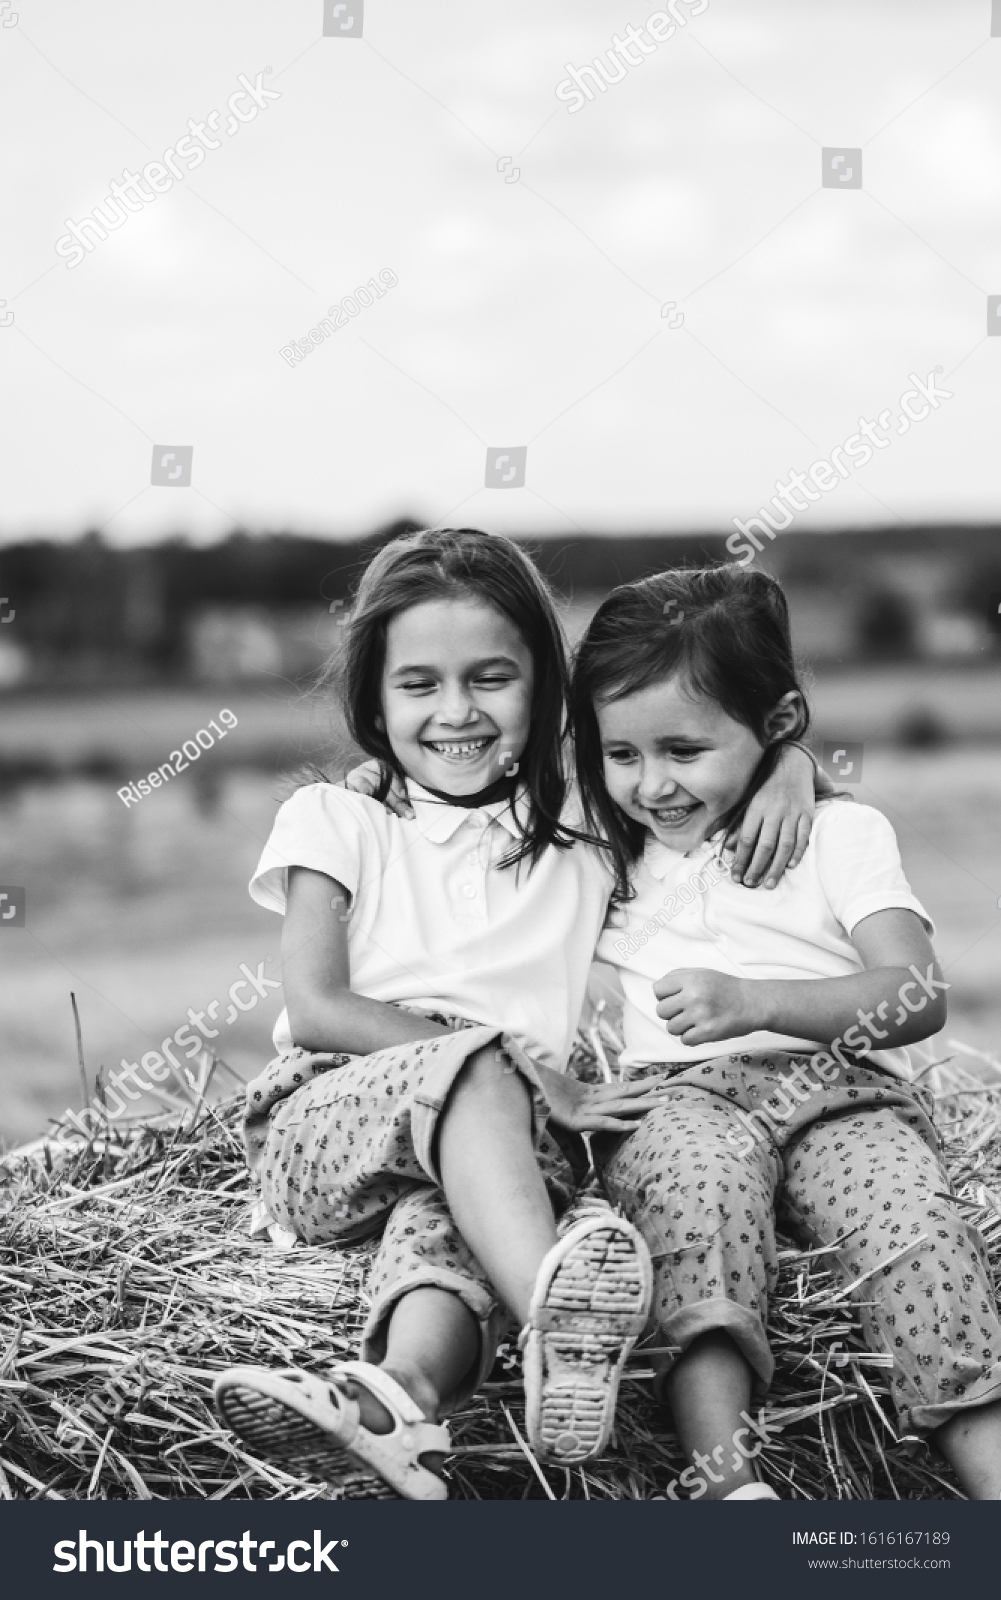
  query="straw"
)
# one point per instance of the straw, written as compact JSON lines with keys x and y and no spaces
{"x":84,"y":1091}
{"x":129,"y":1279}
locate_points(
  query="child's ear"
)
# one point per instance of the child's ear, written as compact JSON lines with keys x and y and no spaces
{"x":788,"y":714}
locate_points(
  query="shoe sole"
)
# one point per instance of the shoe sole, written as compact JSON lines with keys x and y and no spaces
{"x":279,"y":1432}
{"x":592,"y":1313}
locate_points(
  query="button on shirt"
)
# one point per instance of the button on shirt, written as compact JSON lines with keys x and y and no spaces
{"x":689,"y":913}
{"x":436,"y":922}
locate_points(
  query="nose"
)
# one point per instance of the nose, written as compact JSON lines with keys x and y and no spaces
{"x":655,"y":786}
{"x":456,"y":707}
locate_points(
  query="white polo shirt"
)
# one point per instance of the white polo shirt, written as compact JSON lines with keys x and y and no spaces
{"x":434,"y":922}
{"x":689,"y":913}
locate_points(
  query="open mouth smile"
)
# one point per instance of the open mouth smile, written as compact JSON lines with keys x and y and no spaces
{"x":459,"y":750}
{"x":673,"y":816}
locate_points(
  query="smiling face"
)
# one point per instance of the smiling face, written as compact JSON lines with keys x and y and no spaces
{"x":675,"y":762}
{"x":456,"y":694}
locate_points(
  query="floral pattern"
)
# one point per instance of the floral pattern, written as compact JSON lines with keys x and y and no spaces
{"x":857,"y":1159}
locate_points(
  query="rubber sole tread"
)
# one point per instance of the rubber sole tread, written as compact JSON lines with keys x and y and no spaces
{"x":594,"y":1310}
{"x":279,"y":1432}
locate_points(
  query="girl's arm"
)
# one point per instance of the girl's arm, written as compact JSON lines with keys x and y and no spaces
{"x":898,"y":999}
{"x":777,"y":823}
{"x":323,"y":1012}
{"x":773,"y":835}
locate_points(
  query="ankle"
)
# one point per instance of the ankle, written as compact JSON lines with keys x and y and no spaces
{"x":418,"y":1386}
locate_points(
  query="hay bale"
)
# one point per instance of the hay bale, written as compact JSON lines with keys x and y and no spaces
{"x":129,"y":1279}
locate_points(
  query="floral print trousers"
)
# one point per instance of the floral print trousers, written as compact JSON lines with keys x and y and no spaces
{"x":854,"y":1158}
{"x":345,"y":1148}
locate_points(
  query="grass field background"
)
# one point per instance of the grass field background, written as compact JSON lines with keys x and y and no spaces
{"x":143,"y":911}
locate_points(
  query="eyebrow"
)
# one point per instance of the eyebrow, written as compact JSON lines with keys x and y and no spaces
{"x":669,"y":741}
{"x":665,"y":742}
{"x":475,"y":666}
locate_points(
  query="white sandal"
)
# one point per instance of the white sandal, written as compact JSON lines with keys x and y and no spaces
{"x":310,"y":1422}
{"x":591,"y":1303}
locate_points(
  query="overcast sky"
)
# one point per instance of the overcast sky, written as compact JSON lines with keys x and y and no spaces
{"x":528,"y":304}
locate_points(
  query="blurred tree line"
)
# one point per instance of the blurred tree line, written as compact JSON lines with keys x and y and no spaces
{"x":88,"y":612}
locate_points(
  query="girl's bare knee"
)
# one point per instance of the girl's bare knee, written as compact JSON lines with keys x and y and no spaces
{"x":487,"y":1072}
{"x":491,"y":1068}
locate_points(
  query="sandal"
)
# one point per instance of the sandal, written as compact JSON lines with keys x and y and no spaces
{"x":310,"y":1422}
{"x":591,"y":1303}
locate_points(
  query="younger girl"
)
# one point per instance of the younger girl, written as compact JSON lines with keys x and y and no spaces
{"x":739,"y":1007}
{"x":434,"y":970}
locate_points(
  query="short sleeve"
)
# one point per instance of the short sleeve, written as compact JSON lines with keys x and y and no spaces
{"x":859,"y":865}
{"x":321,"y":827}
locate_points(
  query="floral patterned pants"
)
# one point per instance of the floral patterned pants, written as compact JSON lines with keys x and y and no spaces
{"x":345,"y":1147}
{"x":855,"y":1157}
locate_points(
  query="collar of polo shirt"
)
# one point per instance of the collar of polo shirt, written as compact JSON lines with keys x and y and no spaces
{"x":659,"y":859}
{"x":438,"y":821}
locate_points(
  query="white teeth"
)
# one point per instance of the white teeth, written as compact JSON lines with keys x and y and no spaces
{"x":458,"y":750}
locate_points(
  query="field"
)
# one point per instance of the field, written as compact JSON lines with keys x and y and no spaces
{"x":142,"y":911}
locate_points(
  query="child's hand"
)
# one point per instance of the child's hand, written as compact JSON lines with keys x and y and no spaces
{"x":777,"y":823}
{"x":700,"y":1005}
{"x":366,"y":779}
{"x":597,"y":1107}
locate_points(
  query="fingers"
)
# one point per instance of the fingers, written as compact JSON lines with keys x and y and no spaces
{"x":783,"y":853}
{"x":670,"y":983}
{"x":680,"y":1025}
{"x":743,"y":847}
{"x":364,"y":779}
{"x":622,"y":1103}
{"x":764,"y":850}
{"x":610,"y":1124}
{"x":629,"y":1108}
{"x":691,"y":1030}
{"x":638,"y":1086}
{"x":359,"y":782}
{"x":804,"y":828}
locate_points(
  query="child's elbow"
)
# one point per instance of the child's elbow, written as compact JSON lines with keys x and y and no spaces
{"x":931,"y":1019}
{"x":938,"y":1016}
{"x":313,"y":1020}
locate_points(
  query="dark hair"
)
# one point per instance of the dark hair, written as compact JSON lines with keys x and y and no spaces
{"x":446,"y":564}
{"x":725,"y":630}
